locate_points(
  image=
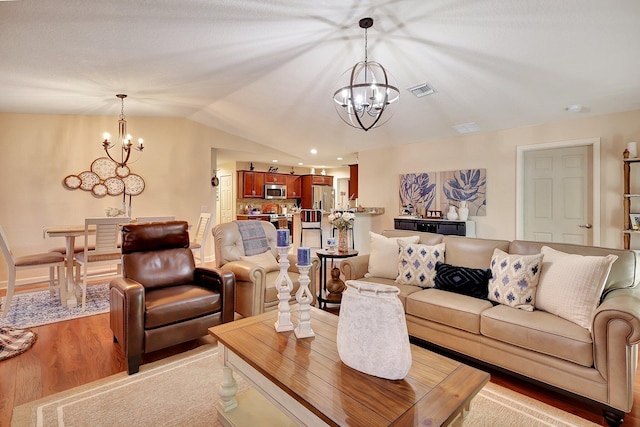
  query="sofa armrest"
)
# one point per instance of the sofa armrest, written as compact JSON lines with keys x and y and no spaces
{"x":355,"y":267}
{"x":245,"y":271}
{"x":126,"y":315}
{"x":224,"y":282}
{"x":616,"y":333}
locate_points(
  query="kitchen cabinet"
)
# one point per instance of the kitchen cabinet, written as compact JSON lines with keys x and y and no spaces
{"x":353,"y":182}
{"x":275,"y":178}
{"x":294,"y":187}
{"x":308,"y":181}
{"x":251,"y":184}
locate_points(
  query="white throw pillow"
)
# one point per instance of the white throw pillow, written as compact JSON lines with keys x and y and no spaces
{"x":571,"y":285}
{"x":383,"y":256}
{"x":417,"y":263}
{"x":266,"y":260}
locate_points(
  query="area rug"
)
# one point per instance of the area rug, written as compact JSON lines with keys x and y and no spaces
{"x":182,"y":391}
{"x":39,"y":308}
{"x":15,"y":341}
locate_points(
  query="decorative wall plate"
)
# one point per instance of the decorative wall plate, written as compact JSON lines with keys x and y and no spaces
{"x":89,"y":179}
{"x":99,"y":190}
{"x":133,"y":184}
{"x":114,"y":185}
{"x":122,"y":171}
{"x":72,"y":182}
{"x":104,"y":167}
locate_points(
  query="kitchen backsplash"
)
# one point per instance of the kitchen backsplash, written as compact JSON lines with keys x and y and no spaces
{"x":244,"y":206}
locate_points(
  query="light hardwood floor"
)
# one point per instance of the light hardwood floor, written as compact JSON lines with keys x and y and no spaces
{"x":75,"y":352}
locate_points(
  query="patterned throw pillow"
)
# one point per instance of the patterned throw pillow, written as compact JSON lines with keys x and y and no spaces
{"x":514,"y":279}
{"x":473,"y":282}
{"x":571,"y":285}
{"x":417,"y":263}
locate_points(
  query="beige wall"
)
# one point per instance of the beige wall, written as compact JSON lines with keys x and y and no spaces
{"x":38,"y":151}
{"x":380,"y":170}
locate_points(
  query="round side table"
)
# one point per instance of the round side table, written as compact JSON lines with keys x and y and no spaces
{"x":323,"y":296}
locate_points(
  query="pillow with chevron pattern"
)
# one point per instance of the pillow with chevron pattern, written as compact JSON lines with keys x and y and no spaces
{"x":417,"y":263}
{"x":473,"y":282}
{"x":514,"y":279}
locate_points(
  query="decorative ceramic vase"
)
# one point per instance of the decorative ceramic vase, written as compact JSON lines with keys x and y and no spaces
{"x":452,"y":214}
{"x":343,"y":240}
{"x":463,"y":212}
{"x":372,"y":332}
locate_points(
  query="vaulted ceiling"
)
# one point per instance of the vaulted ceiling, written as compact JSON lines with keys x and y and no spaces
{"x":266,"y":70}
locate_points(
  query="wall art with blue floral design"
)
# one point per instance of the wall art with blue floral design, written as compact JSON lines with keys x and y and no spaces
{"x":419,"y":190}
{"x":469,"y":185}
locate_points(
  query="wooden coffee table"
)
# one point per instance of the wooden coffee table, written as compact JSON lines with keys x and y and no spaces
{"x":306,"y":380}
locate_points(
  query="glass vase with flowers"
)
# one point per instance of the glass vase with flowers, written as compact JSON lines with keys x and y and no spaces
{"x":342,"y":221}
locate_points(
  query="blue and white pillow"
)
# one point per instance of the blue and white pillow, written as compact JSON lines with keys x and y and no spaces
{"x":417,"y":263}
{"x":514,"y":279}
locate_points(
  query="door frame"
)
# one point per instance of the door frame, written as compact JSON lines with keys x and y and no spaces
{"x":522,"y":149}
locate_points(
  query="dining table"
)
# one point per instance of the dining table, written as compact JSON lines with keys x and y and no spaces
{"x":69,"y":232}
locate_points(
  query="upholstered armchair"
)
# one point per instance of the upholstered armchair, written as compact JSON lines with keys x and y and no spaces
{"x":163,"y":299}
{"x":255,"y":290}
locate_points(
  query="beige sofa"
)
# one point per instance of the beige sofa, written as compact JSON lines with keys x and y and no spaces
{"x":599,"y":366}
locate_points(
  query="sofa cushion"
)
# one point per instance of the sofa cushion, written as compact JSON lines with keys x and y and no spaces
{"x":514,"y":279}
{"x":266,"y":260}
{"x":473,"y":282}
{"x":570,"y":285}
{"x":383,"y":256}
{"x":417,"y":263}
{"x":173,"y":304}
{"x":538,"y":331}
{"x":451,"y":309}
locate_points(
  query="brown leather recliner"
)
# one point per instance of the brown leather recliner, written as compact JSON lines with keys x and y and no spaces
{"x":163,"y":299}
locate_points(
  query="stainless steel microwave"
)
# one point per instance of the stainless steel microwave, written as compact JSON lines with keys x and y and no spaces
{"x":275,"y":191}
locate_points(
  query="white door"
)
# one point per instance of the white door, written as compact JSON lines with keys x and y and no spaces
{"x":557,"y":195}
{"x":226,"y":198}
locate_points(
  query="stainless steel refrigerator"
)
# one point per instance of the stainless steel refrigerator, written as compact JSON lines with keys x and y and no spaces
{"x":323,"y":197}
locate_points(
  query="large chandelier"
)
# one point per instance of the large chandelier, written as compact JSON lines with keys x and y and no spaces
{"x":369,"y":94}
{"x":124,"y":139}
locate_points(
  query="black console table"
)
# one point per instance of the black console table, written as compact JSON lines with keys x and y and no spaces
{"x":439,"y":226}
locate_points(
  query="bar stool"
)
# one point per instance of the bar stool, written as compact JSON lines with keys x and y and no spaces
{"x":310,"y":219}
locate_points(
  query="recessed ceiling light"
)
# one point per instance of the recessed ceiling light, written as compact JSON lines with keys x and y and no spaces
{"x":274,"y":161}
{"x":300,"y":163}
{"x":575,"y":108}
{"x":467,"y":128}
{"x":314,"y":151}
{"x":339,"y":158}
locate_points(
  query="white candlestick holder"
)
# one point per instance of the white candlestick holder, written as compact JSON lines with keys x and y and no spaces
{"x":304,"y":298}
{"x":284,"y":285}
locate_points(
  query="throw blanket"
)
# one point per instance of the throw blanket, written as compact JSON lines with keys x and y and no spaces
{"x":254,"y":238}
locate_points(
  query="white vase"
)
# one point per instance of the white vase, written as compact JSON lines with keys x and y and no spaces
{"x":463,"y":211}
{"x":452,"y":215}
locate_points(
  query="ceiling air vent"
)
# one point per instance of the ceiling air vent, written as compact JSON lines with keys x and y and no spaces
{"x":423,"y":89}
{"x":467,"y":128}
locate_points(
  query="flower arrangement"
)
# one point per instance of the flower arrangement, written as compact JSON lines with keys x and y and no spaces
{"x":342,"y":221}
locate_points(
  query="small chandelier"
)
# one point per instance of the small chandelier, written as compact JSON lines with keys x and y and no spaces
{"x":124,"y":139}
{"x":369,"y":93}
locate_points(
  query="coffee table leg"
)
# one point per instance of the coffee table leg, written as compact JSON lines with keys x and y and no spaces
{"x":227,"y":391}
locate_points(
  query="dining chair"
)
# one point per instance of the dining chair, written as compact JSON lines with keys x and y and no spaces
{"x":105,"y":252}
{"x":52,"y":260}
{"x":310,"y":219}
{"x":200,"y":235}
